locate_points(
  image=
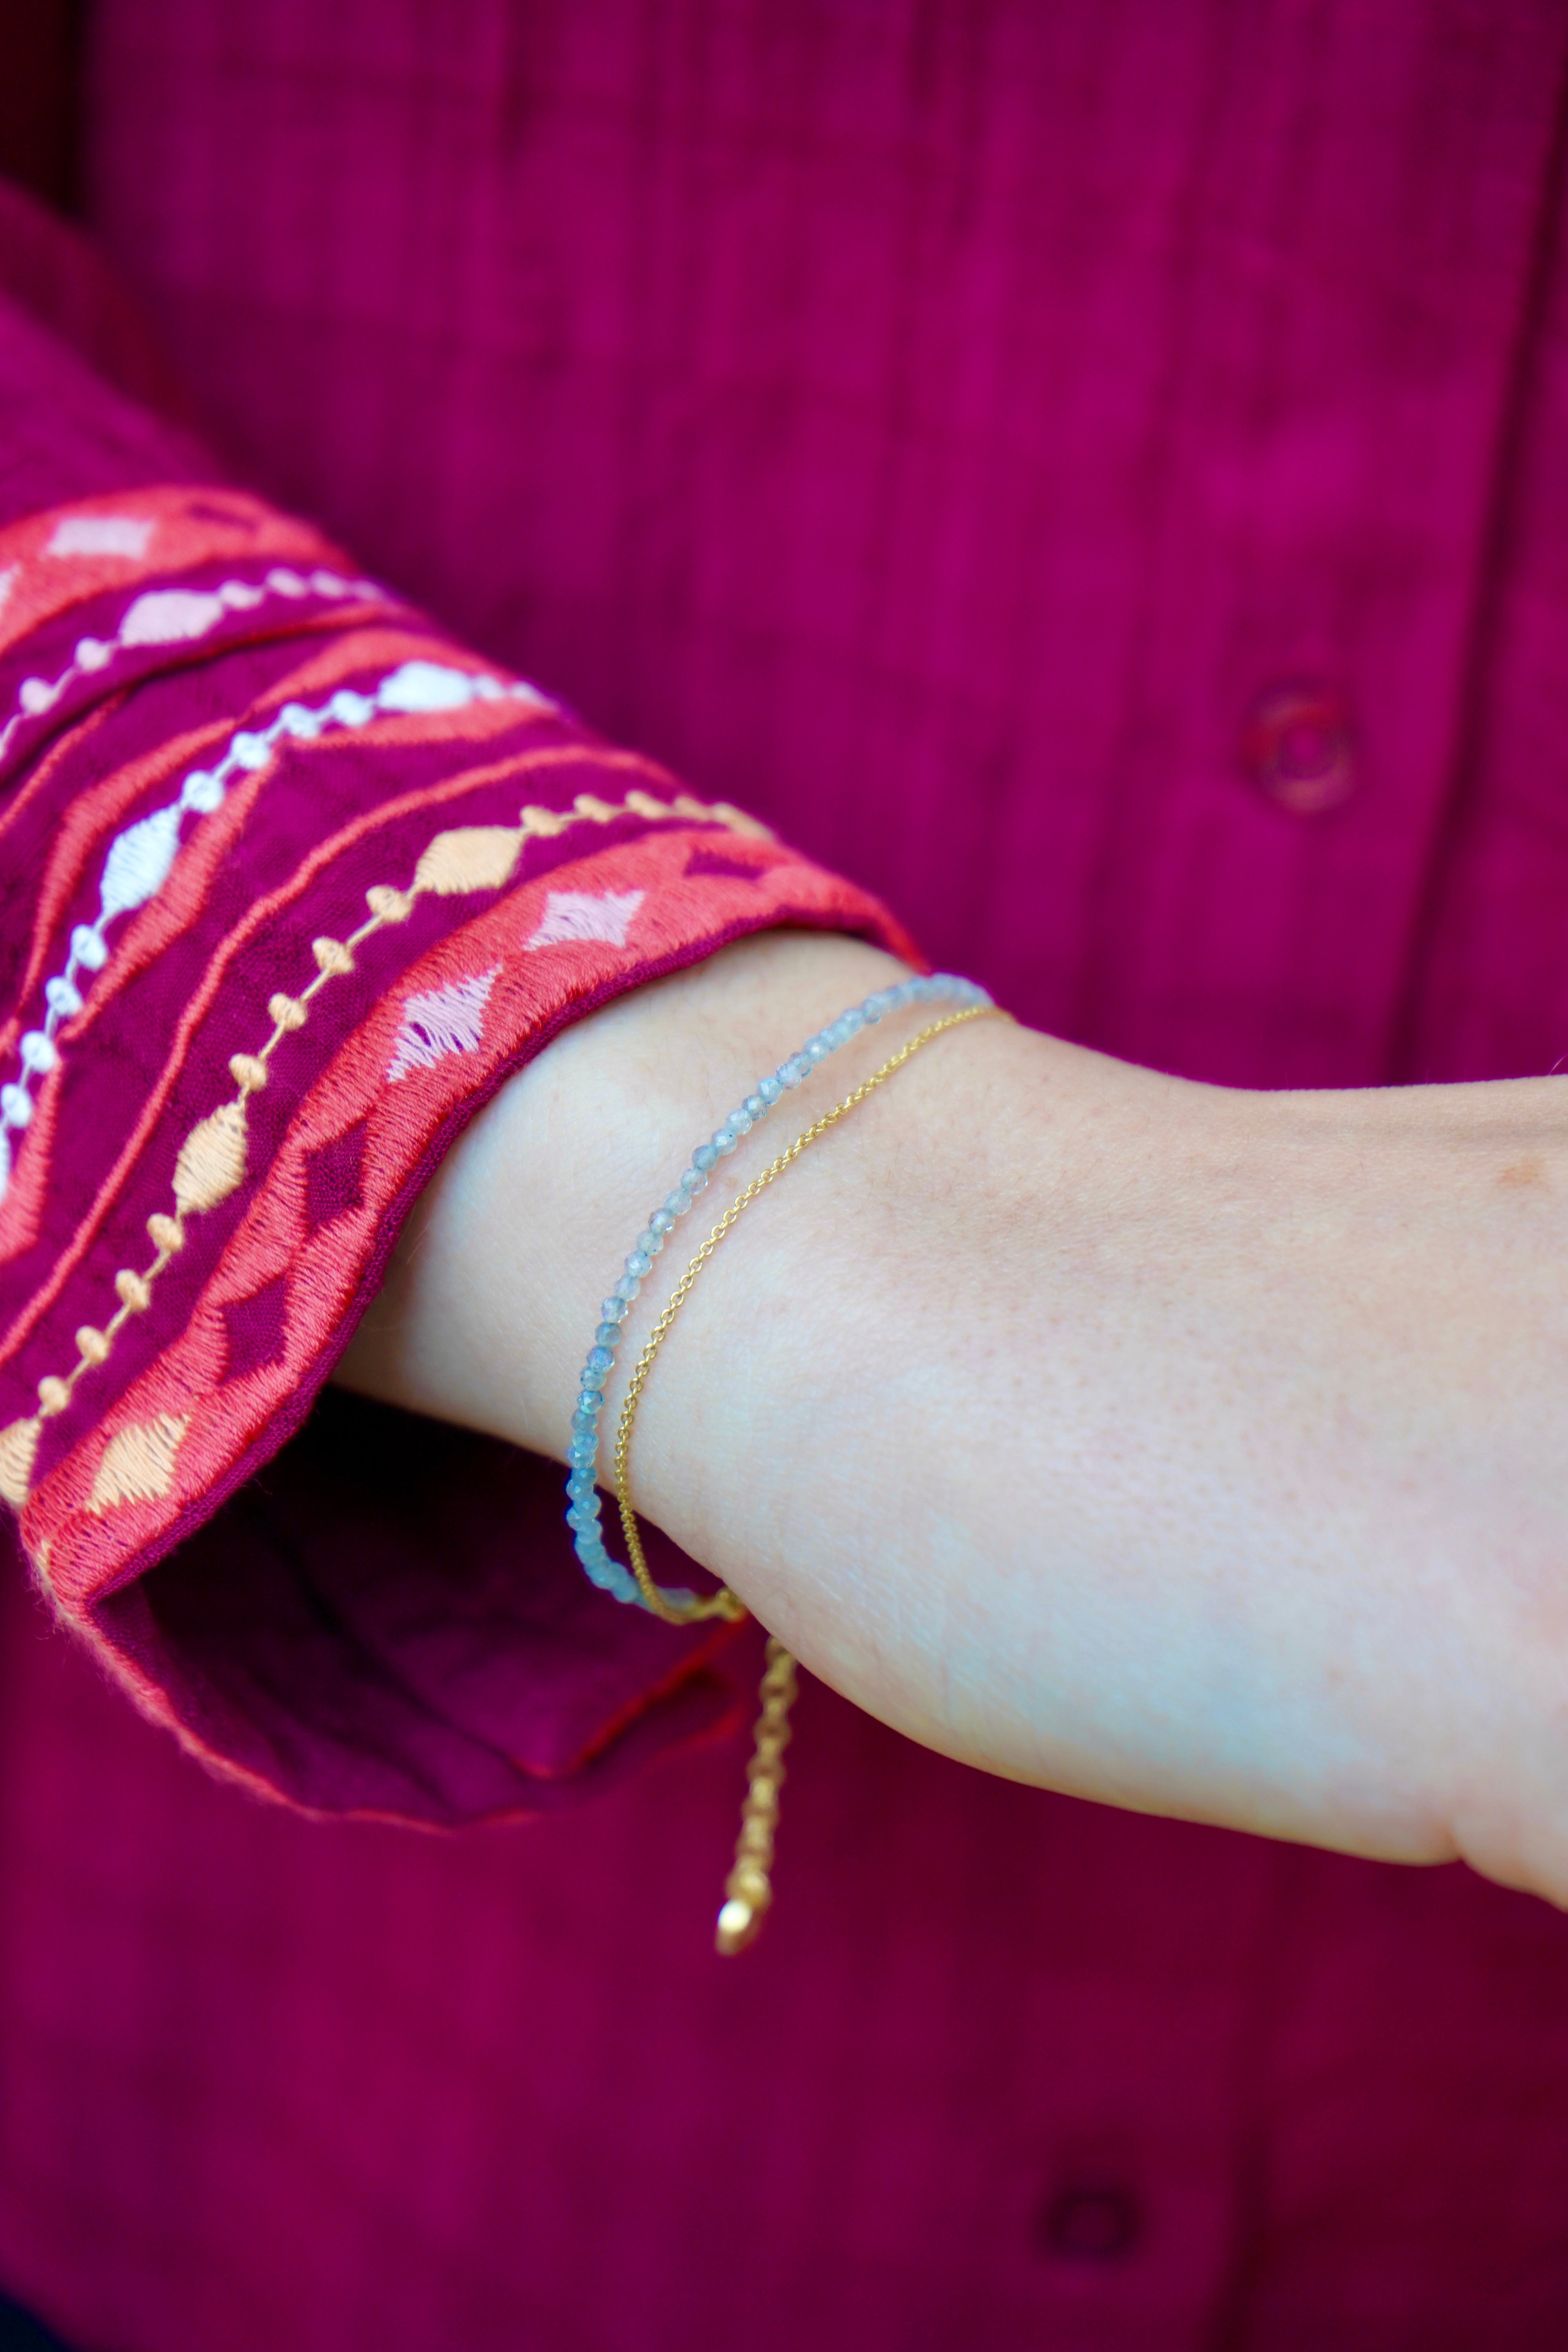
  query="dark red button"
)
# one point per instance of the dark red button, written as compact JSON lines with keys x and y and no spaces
{"x":1091,"y":2221}
{"x":1298,"y":747}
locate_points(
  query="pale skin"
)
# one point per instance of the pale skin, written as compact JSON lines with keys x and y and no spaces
{"x":1199,"y":1451}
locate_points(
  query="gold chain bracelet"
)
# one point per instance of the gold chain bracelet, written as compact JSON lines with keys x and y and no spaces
{"x":748,"y":1891}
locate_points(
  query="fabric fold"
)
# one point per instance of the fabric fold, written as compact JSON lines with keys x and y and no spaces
{"x":293,"y":884}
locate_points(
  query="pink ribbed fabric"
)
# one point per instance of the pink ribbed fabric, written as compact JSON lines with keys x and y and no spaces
{"x":1097,"y":475}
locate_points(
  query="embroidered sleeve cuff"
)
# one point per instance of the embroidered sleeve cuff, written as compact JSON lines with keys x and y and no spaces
{"x":291,"y":885}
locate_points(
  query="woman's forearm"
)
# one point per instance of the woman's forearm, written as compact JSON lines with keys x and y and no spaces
{"x":1198,"y":1451}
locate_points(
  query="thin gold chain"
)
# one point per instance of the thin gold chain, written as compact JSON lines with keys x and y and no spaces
{"x":725,"y":1603}
{"x":749,"y":1889}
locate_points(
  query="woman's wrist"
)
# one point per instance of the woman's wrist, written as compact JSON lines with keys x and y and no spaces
{"x":1192,"y":1450}
{"x":498,"y":1274}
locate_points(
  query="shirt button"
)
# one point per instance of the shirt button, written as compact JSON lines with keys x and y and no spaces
{"x":1298,"y":747}
{"x":1090,"y":2221}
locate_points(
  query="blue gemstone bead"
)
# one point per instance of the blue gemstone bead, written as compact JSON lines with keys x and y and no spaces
{"x":581,"y":1485}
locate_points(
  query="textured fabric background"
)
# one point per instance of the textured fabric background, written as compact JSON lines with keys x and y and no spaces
{"x":937,"y":427}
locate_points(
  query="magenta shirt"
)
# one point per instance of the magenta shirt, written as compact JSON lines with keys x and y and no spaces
{"x":1095,"y":477}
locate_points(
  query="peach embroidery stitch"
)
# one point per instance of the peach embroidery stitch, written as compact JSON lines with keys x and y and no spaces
{"x":546,"y":822}
{"x":176,"y":905}
{"x":138,"y":1465}
{"x":327,"y":668}
{"x":211,"y":1161}
{"x":141,"y":860}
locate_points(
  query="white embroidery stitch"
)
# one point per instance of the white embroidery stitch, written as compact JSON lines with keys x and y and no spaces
{"x":574,"y":915}
{"x":211,"y":1161}
{"x":441,"y":1020}
{"x":162,"y":617}
{"x":101,"y":535}
{"x":141,"y":860}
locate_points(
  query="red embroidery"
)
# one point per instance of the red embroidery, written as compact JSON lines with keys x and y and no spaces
{"x":185,"y":526}
{"x":517,"y":766}
{"x":91,"y":1544}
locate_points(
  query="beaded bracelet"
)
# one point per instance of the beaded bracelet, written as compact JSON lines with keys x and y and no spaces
{"x":748,"y":1890}
{"x":676,"y":1603}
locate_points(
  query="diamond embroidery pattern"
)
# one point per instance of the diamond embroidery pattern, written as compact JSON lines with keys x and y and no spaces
{"x":255,"y":1328}
{"x":577,"y":915}
{"x":100,"y":535}
{"x":334,"y":1177}
{"x":441,"y":1020}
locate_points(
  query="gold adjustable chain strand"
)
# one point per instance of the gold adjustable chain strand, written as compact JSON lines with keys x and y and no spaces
{"x":748,"y":1891}
{"x":725,"y":1603}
